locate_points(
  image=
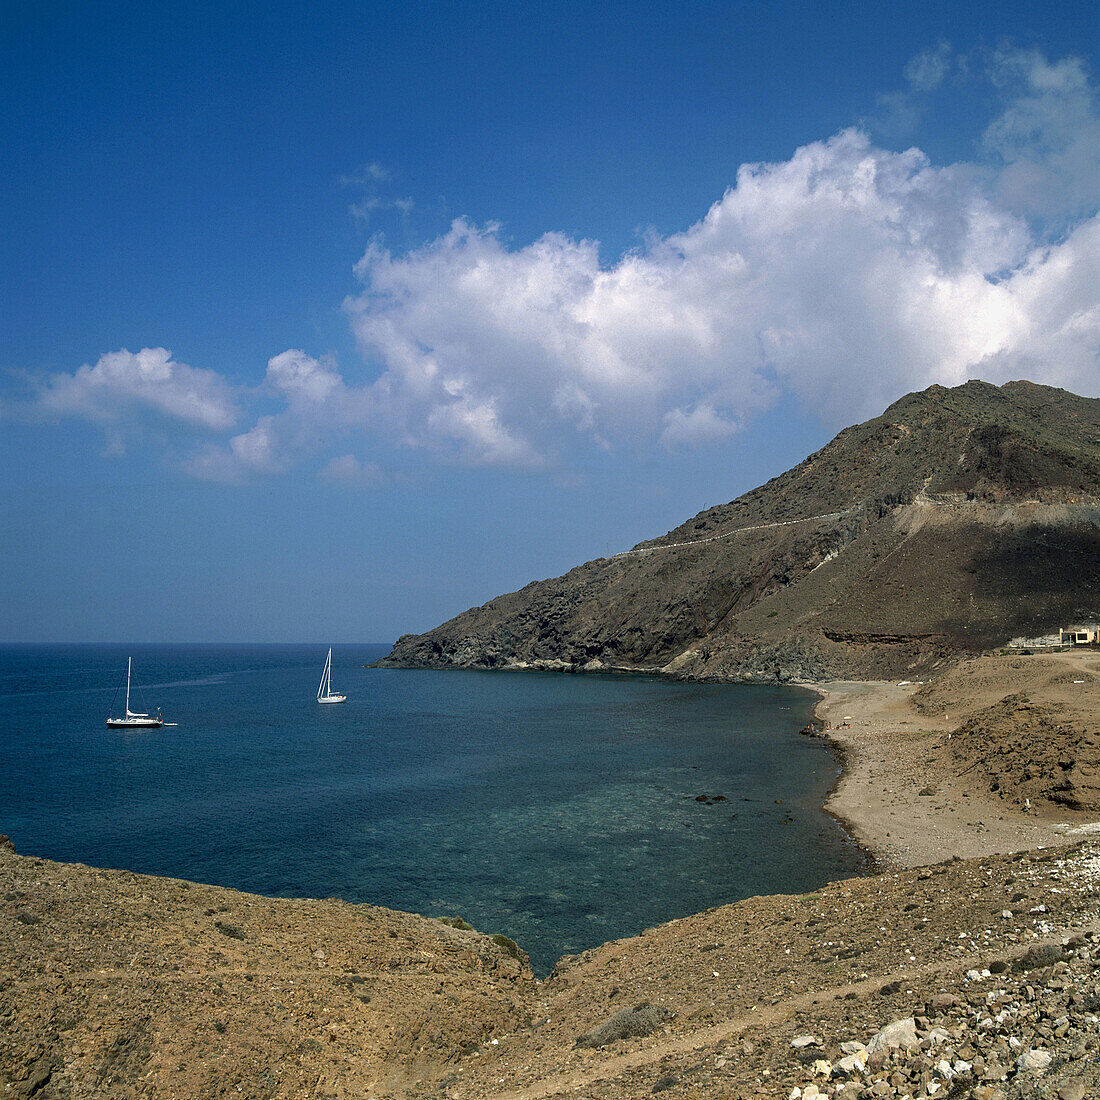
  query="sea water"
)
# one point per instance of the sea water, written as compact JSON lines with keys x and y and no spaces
{"x":561,"y":811}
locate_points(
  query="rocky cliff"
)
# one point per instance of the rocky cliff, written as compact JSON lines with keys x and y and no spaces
{"x":958,"y":519}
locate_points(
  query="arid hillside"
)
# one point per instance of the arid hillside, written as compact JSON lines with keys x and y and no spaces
{"x":958,"y":519}
{"x":119,"y":985}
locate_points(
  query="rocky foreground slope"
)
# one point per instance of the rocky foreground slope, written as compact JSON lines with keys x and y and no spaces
{"x":958,"y":519}
{"x":976,"y":978}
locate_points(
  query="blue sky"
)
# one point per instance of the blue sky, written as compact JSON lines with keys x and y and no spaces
{"x":328,"y":322}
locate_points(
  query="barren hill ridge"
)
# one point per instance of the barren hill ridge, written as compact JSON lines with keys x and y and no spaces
{"x":956,"y":520}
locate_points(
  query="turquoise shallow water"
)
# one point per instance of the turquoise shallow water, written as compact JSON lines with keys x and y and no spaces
{"x":559,"y":810}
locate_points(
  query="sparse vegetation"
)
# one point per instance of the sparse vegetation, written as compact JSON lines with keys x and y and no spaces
{"x":456,"y":922}
{"x":905,"y":584}
{"x":508,"y":945}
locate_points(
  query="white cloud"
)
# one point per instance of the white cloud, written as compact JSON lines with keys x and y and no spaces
{"x":317,"y":409}
{"x":692,"y":427}
{"x":366,"y":208}
{"x":928,"y":70}
{"x":1048,"y":137}
{"x":1057,"y":296}
{"x":122,"y":384}
{"x":368,"y":175}
{"x":844,"y":276}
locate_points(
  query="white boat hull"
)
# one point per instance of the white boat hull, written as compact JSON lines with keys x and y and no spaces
{"x":134,"y":720}
{"x":325,"y":694}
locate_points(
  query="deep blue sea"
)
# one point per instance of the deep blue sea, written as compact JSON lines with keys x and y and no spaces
{"x":559,"y":810}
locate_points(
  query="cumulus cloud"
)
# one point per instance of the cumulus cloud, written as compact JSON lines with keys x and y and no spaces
{"x":316,"y":409}
{"x":1056,"y":296}
{"x":122,"y":384}
{"x":844,"y":276}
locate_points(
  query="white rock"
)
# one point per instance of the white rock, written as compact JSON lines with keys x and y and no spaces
{"x":800,"y":1041}
{"x":851,"y":1065}
{"x":852,"y":1048}
{"x":1033,"y":1061}
{"x":901,"y":1033}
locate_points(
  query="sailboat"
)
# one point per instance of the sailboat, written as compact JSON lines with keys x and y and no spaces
{"x":133,"y":720}
{"x":324,"y":688}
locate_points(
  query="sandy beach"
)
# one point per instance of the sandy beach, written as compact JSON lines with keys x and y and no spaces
{"x":903,"y":794}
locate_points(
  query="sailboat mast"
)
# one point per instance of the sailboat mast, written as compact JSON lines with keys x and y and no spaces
{"x":129,"y":662}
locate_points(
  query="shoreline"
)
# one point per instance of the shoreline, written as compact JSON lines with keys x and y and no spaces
{"x":898,"y":795}
{"x":176,"y":989}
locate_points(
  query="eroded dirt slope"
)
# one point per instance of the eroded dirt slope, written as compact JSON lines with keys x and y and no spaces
{"x":119,"y":985}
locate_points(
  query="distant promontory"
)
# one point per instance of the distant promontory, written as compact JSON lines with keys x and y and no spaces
{"x":956,"y":521}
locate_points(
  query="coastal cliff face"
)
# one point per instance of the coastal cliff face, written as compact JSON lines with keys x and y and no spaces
{"x":957,"y":520}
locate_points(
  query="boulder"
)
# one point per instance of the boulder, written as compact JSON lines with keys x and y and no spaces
{"x":901,"y":1034}
{"x":1033,"y":1061}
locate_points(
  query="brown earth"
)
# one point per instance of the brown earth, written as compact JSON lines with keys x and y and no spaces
{"x":116,"y":985}
{"x":130,"y":985}
{"x":978,"y":760}
{"x":121,"y":985}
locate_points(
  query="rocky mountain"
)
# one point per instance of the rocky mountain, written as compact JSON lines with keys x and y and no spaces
{"x":958,"y":519}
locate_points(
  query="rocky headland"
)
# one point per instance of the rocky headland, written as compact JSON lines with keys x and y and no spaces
{"x":883,"y":569}
{"x":957,"y":520}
